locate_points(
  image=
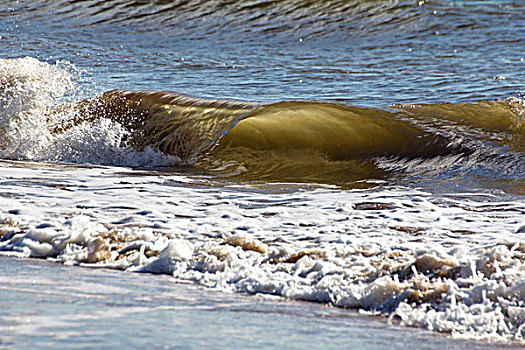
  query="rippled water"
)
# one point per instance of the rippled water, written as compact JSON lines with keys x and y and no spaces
{"x":373,"y":53}
{"x":368,"y":155}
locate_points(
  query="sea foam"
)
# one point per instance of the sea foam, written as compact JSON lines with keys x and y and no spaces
{"x":30,"y":90}
{"x":451,"y":263}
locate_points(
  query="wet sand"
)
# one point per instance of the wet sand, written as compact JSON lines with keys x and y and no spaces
{"x":46,"y":305}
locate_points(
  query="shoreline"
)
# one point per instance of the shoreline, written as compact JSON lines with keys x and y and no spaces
{"x":49,"y":305}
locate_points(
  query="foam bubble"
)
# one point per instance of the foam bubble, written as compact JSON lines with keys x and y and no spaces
{"x":178,"y":251}
{"x":322,"y":248}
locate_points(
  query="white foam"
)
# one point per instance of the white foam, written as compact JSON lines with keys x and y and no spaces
{"x":176,"y":253}
{"x":30,"y":90}
{"x":435,"y":262}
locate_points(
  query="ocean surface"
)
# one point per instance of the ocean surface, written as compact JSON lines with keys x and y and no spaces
{"x":368,"y":155}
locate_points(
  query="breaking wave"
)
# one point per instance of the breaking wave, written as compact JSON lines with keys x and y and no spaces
{"x":450,"y":262}
{"x":284,"y":141}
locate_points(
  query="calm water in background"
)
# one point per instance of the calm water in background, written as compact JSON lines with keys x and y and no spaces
{"x":372,"y":53}
{"x":359,"y":53}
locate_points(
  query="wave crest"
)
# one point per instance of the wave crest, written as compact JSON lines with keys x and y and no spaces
{"x":285,"y":141}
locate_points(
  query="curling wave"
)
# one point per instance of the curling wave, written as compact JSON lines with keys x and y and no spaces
{"x":300,"y":141}
{"x":313,"y":141}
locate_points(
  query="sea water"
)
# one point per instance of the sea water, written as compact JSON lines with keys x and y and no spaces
{"x":361,"y":155}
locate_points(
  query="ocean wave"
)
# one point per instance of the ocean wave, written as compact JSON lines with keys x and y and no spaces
{"x":284,"y":141}
{"x":448,"y":259}
{"x":317,"y":141}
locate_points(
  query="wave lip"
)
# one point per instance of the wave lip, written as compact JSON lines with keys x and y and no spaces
{"x":172,"y":123}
